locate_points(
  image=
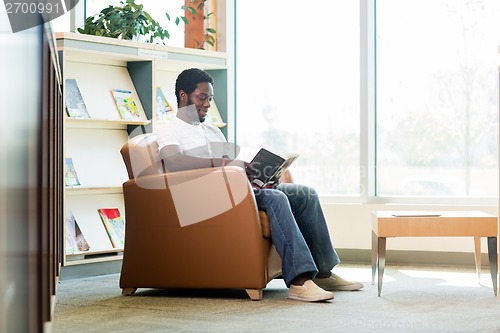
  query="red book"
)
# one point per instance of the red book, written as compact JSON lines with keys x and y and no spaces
{"x":114,"y":224}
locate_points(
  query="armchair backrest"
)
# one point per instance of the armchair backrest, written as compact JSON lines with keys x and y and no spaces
{"x":141,"y":156}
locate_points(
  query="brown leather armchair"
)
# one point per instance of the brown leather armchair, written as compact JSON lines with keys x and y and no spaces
{"x":192,"y":229}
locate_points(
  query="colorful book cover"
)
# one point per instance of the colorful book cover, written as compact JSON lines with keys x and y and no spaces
{"x":70,"y":176}
{"x":75,"y":241}
{"x":114,"y":224}
{"x":75,"y":106}
{"x":164,"y":110}
{"x":125,"y":104}
{"x":213,"y":115}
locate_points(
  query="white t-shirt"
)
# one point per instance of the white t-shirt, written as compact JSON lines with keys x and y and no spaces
{"x":199,"y":140}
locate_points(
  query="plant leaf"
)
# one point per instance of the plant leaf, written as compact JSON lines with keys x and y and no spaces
{"x":191,"y":10}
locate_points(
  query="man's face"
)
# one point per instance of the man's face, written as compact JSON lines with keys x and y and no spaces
{"x":200,"y":98}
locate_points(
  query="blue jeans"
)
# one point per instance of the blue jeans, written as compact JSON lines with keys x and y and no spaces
{"x":298,"y":230}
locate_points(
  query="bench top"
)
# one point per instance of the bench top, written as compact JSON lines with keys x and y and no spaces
{"x":434,"y":224}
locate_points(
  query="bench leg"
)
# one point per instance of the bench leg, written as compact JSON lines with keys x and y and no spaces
{"x":477,"y":257}
{"x":374,"y":255}
{"x":381,"y":262}
{"x":492,"y":256}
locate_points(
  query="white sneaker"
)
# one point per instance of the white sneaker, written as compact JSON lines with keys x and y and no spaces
{"x":309,"y":292}
{"x":335,"y":282}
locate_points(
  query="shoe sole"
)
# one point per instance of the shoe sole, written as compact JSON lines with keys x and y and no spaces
{"x":310,"y":299}
{"x":350,"y":287}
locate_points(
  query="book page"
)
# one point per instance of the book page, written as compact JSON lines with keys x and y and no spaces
{"x":277,"y":175}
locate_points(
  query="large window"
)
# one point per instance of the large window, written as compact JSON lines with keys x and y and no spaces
{"x":435,"y":106}
{"x":437,"y":97}
{"x":297,"y":88}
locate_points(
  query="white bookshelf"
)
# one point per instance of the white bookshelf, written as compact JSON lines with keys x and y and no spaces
{"x":99,"y":65}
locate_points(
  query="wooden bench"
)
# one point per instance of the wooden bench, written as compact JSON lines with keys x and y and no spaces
{"x":476,"y":224}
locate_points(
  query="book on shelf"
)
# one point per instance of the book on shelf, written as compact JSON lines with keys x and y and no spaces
{"x":75,"y":241}
{"x":114,"y":224}
{"x":164,"y":110}
{"x":70,"y":175}
{"x":213,"y":115}
{"x":125,"y":104}
{"x":269,"y":167}
{"x":75,"y":106}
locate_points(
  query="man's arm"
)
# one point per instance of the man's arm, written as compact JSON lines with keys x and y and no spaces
{"x":176,"y":161}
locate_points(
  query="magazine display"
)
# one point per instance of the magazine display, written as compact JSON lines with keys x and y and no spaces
{"x":213,"y":115}
{"x":269,"y":167}
{"x":75,"y":241}
{"x":75,"y":106}
{"x":164,"y":110}
{"x":125,"y":104}
{"x":70,"y":176}
{"x":114,"y":224}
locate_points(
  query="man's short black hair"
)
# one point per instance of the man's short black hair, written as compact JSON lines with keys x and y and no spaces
{"x":189,"y":79}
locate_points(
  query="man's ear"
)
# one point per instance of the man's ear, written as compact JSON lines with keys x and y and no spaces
{"x":183,"y":97}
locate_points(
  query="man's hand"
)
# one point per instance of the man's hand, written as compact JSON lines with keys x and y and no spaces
{"x":251,"y":172}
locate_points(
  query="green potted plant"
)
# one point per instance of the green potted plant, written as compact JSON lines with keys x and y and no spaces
{"x":129,"y":21}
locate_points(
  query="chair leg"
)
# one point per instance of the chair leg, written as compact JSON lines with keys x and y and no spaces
{"x":128,"y":291}
{"x":254,"y":294}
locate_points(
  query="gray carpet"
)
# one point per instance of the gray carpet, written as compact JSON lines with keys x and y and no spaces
{"x":414,"y":299}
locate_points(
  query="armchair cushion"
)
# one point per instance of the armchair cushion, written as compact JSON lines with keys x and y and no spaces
{"x":264,"y":222}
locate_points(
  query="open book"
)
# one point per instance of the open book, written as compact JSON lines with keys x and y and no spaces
{"x":269,"y":167}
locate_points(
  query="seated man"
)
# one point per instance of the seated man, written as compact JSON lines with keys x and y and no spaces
{"x":298,"y":226}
